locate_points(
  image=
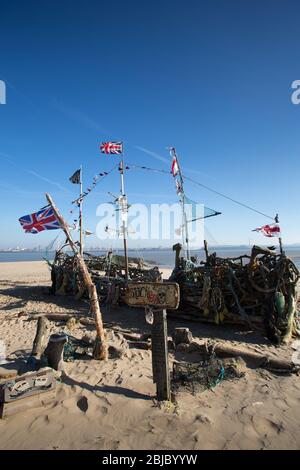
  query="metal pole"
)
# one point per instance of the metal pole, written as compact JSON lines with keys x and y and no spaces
{"x":185,"y":223}
{"x":80,"y":215}
{"x":123,"y":210}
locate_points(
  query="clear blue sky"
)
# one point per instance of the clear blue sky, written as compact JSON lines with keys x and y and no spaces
{"x":211,"y":77}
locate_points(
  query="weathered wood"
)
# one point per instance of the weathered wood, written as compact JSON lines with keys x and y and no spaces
{"x":26,"y":385}
{"x":139,"y":344}
{"x":64,"y":317}
{"x":177,"y":248}
{"x":54,"y":351}
{"x":160,"y":363}
{"x":160,"y":295}
{"x":259,"y":360}
{"x":40,"y":338}
{"x":100,"y":348}
{"x":182,"y":335}
{"x":206,"y":250}
{"x":26,"y":404}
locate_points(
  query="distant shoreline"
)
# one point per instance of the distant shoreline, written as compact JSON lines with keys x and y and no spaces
{"x":161,"y":258}
{"x":136,"y":250}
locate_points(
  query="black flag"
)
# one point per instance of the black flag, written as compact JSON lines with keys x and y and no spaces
{"x":76,"y":177}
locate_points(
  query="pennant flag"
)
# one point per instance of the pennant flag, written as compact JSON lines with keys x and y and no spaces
{"x":115,"y":148}
{"x":42,"y":220}
{"x":75,"y":178}
{"x":174,"y":167}
{"x":178,"y":187}
{"x":272,"y":230}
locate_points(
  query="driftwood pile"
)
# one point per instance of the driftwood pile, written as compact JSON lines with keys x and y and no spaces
{"x":257,"y":290}
{"x":107,"y":273}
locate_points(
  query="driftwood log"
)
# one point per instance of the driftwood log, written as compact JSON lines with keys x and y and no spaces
{"x":100,"y":348}
{"x":259,"y":360}
{"x":40,"y":338}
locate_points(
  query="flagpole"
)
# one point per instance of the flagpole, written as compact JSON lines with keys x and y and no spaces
{"x":123,"y":210}
{"x":80,"y":214}
{"x":185,"y":223}
{"x":280,"y":239}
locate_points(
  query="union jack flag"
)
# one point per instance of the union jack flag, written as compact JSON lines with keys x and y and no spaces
{"x":42,"y":220}
{"x":112,"y":147}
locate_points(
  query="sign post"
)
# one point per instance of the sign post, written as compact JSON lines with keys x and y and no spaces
{"x":160,"y":362}
{"x":157,"y":297}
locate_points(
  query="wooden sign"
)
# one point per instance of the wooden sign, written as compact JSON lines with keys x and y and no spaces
{"x":26,"y":385}
{"x":164,"y":295}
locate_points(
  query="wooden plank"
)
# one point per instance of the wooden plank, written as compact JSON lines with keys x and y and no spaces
{"x":26,"y":404}
{"x":160,"y":362}
{"x":163,"y":295}
{"x":27,"y":385}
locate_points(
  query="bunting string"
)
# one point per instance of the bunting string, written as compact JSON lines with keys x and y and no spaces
{"x":96,"y":179}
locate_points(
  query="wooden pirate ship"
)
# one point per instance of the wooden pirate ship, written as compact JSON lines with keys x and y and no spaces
{"x":257,"y":290}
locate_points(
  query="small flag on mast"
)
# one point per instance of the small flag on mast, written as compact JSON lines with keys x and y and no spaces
{"x":115,"y":148}
{"x":75,"y":178}
{"x":272,"y":230}
{"x":174,"y":167}
{"x":178,"y":187}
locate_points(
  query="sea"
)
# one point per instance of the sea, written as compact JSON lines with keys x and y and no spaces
{"x":163,"y":258}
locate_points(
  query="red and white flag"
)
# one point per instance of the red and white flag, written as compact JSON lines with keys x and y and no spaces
{"x":178,"y":187}
{"x":115,"y":148}
{"x":272,"y":230}
{"x":174,"y":167}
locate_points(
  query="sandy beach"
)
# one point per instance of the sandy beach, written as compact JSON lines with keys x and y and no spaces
{"x":111,"y":405}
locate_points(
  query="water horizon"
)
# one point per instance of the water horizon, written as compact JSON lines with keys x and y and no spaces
{"x":163,"y":258}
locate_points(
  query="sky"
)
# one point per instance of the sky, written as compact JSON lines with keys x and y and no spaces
{"x":212,"y":78}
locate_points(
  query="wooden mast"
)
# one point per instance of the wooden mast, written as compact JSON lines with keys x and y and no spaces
{"x":80,"y":215}
{"x":280,"y":239}
{"x":100,"y":348}
{"x":185,"y":222}
{"x":123,"y":210}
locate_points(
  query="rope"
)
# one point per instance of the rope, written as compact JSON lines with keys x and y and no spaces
{"x":205,"y":187}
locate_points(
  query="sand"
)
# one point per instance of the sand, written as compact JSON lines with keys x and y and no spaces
{"x":111,"y":405}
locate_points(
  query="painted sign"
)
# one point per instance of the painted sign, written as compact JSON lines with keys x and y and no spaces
{"x":163,"y":295}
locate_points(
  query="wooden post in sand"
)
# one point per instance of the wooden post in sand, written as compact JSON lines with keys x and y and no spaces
{"x":40,"y":338}
{"x":160,"y":363}
{"x":100,"y":348}
{"x":177,"y":248}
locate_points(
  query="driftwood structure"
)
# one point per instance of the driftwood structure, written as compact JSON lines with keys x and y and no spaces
{"x":107,"y":273}
{"x":257,"y":290}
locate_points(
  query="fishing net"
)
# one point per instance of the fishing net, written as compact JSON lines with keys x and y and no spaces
{"x":204,"y":375}
{"x":74,"y":348}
